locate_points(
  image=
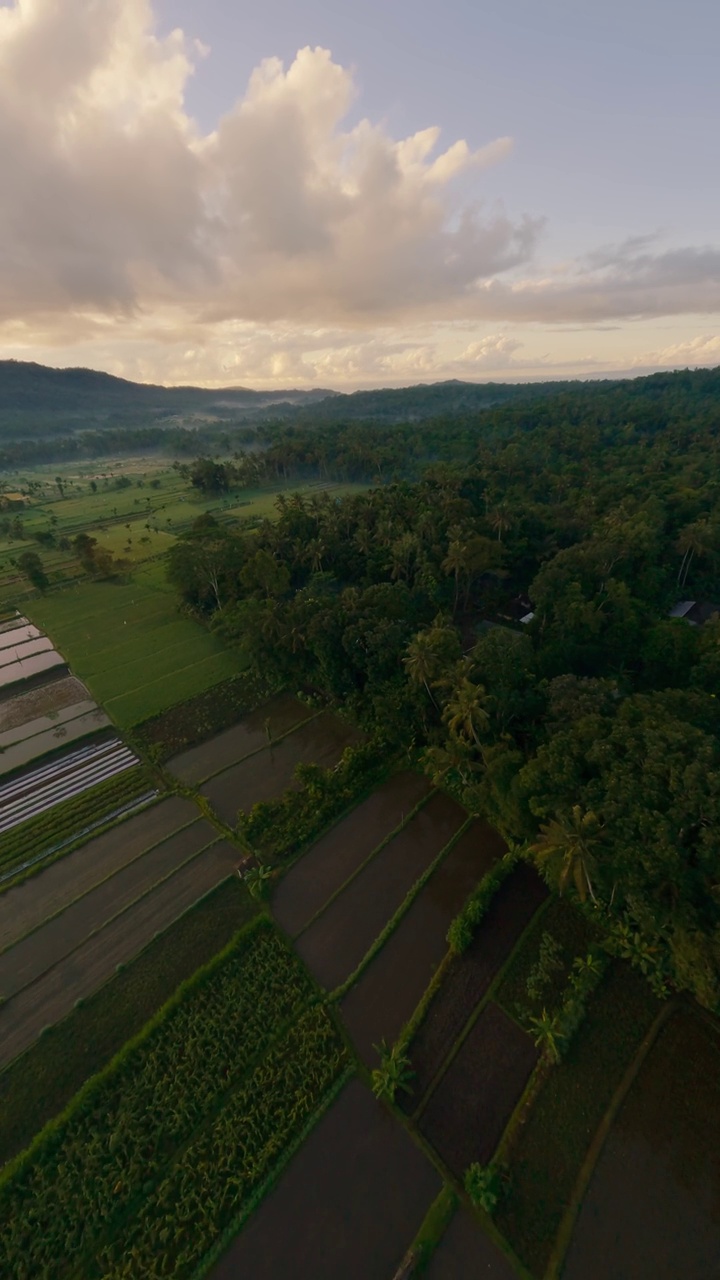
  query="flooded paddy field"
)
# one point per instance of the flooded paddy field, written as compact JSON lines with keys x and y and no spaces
{"x":652,"y":1210}
{"x":470,"y":1107}
{"x":387,"y":993}
{"x":274,"y":718}
{"x":68,"y":728}
{"x":40,"y":950}
{"x":347,"y":1204}
{"x":336,"y":942}
{"x":15,"y":673}
{"x":26,"y":905}
{"x":267,"y":773}
{"x":470,"y":976}
{"x":466,"y":1253}
{"x":328,"y":864}
{"x":79,"y":974}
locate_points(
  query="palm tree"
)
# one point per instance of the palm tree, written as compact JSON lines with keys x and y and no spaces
{"x":465,"y":712}
{"x":565,"y":849}
{"x":697,"y":539}
{"x":547,"y":1035}
{"x":393,"y":1073}
{"x":427,"y":654}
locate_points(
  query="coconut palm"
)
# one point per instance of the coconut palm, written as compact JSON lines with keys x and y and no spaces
{"x":565,"y":850}
{"x":393,"y":1073}
{"x":465,"y":713}
{"x":547,"y":1036}
{"x":697,"y":539}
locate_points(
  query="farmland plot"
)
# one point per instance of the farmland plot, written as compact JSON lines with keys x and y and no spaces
{"x":470,"y":976}
{"x":267,"y":773}
{"x":384,"y":998}
{"x":332,"y":860}
{"x":345,"y":1206}
{"x":68,"y":729}
{"x":79,"y":974}
{"x":44,"y":786}
{"x":271,"y":720}
{"x":57,"y":937}
{"x":466,"y":1253}
{"x":221,"y":1067}
{"x":337,"y":940}
{"x":48,"y":699}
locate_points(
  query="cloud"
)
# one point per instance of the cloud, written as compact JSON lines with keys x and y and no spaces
{"x":113,"y":201}
{"x":285,"y":243}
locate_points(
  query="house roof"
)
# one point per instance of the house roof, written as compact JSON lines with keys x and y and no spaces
{"x":680,"y":609}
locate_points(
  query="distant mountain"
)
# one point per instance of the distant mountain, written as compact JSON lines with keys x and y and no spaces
{"x":28,"y":388}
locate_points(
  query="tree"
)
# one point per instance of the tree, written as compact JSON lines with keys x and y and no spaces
{"x":209,"y":476}
{"x":565,"y":851}
{"x":31,"y":565}
{"x":696,"y":539}
{"x":393,"y":1073}
{"x":465,"y":713}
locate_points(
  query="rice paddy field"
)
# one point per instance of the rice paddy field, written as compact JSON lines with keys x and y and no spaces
{"x":129,"y":645}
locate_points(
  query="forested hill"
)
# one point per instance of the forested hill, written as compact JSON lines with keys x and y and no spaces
{"x":35,"y":391}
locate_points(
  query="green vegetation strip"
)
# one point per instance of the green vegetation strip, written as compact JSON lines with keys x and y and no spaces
{"x":572,"y":935}
{"x":38,"y":1085}
{"x":195,"y":1089}
{"x":432,"y":1229}
{"x":280,"y":828}
{"x":69,"y":822}
{"x":550,"y":1148}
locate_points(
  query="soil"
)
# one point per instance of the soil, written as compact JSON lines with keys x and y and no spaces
{"x":347,"y":1205}
{"x":469,"y":977}
{"x":26,"y":906}
{"x":466,"y":1253}
{"x":388,"y":992}
{"x":329,"y":863}
{"x":652,"y":1211}
{"x":277,"y":716}
{"x":81,"y":973}
{"x":336,"y":942}
{"x":468,"y":1111}
{"x":268,"y":773}
{"x":24,"y":962}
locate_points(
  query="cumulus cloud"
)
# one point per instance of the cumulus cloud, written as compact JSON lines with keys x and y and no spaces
{"x":113,"y":201}
{"x":284,"y":244}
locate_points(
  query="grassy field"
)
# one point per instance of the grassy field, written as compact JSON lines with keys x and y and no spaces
{"x":128,"y":643}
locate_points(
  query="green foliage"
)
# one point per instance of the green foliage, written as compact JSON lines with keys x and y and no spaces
{"x":549,"y":962}
{"x":461,"y":931}
{"x":282,"y":827}
{"x":393,"y":1073}
{"x":113,"y":1147}
{"x":553,"y":1032}
{"x":484,"y":1185}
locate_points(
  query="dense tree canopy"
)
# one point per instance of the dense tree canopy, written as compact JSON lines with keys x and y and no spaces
{"x":592,"y":732}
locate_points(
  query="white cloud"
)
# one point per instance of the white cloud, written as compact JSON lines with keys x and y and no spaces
{"x":283,"y":245}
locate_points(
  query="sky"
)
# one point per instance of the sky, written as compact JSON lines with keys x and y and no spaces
{"x":321,"y":193}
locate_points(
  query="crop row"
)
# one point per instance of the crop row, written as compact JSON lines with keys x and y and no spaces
{"x":72,"y":816}
{"x":113,"y":1144}
{"x":210,"y":1185}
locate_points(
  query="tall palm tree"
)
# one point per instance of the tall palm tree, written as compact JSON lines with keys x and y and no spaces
{"x":465,"y":712}
{"x":696,"y":539}
{"x":566,"y":850}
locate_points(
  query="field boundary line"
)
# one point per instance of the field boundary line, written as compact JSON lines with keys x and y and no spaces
{"x":413,"y":892}
{"x":157,"y":884}
{"x":472,"y":1019}
{"x":177,"y":671}
{"x":587,"y":1168}
{"x":185,"y":827}
{"x":373,"y":854}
